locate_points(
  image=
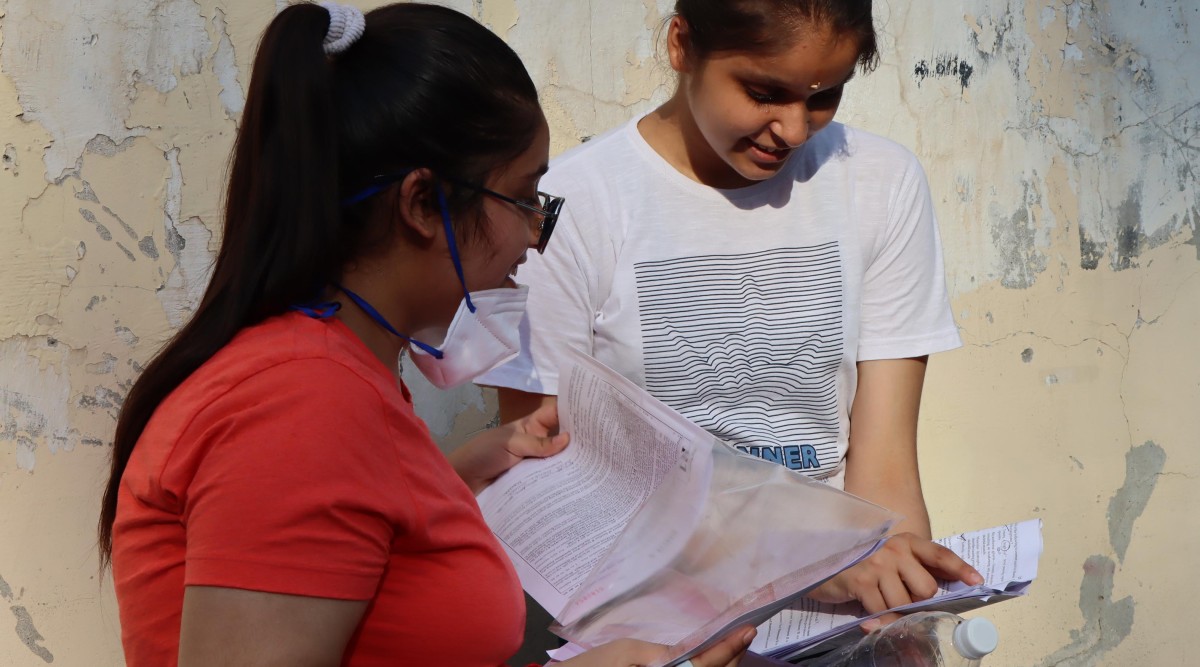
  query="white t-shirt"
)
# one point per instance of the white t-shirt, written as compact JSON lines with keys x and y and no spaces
{"x":746,"y":310}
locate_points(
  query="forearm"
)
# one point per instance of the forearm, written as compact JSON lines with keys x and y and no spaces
{"x":900,"y":494}
{"x":881,"y":462}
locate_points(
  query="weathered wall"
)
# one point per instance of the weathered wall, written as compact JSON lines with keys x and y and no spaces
{"x":1062,"y":141}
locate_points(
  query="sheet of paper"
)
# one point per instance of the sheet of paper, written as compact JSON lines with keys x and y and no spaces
{"x":1006,"y":556}
{"x":622,"y":450}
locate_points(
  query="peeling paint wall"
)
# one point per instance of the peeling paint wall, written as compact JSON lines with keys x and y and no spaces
{"x":1062,"y":142}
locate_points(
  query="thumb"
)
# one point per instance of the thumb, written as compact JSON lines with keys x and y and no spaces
{"x":537,"y":446}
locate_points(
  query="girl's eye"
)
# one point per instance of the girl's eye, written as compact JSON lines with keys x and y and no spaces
{"x":759,"y":96}
{"x":826,"y":99}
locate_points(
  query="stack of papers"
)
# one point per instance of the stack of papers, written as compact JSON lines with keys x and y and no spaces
{"x":648,"y":527}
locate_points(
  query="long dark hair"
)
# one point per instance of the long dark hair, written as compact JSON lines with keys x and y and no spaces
{"x":424,"y":86}
{"x":768,"y":25}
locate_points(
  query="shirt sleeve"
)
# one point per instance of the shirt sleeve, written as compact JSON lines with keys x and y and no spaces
{"x":905,"y":307}
{"x":297,"y":490}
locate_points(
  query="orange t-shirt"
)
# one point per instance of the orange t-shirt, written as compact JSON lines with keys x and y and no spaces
{"x":291,"y":462}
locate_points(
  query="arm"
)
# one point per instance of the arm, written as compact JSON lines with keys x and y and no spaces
{"x":229,"y":626}
{"x":515,"y":404}
{"x":728,"y":652}
{"x":881,"y":466}
{"x":881,"y":462}
{"x":482,"y":459}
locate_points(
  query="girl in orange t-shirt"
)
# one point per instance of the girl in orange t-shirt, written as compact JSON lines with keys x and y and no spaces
{"x":274,"y":500}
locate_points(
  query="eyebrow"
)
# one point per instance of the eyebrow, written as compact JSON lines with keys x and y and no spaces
{"x":781,"y":84}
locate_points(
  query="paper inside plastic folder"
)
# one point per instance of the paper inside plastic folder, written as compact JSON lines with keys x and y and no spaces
{"x":742,"y":547}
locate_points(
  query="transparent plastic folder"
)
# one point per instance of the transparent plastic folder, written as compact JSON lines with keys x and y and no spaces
{"x":648,"y":527}
{"x":744,"y":539}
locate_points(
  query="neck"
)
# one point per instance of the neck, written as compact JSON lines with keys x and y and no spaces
{"x":672,"y":132}
{"x":385,"y":346}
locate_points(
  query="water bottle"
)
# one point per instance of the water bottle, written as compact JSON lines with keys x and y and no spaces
{"x":923,"y":639}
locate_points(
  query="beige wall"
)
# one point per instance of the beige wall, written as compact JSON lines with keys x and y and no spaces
{"x":1062,"y":141}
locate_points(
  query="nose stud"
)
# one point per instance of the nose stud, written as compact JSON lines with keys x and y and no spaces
{"x":815,"y":86}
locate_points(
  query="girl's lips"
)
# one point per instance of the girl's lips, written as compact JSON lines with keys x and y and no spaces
{"x":762,"y":153}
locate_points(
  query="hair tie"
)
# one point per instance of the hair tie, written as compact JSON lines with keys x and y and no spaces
{"x":346,"y":25}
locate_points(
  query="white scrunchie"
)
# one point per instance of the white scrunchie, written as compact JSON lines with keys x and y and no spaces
{"x":346,"y":25}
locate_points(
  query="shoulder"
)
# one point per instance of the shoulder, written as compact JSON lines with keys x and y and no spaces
{"x":880,"y":168}
{"x":286,"y":371}
{"x":613,"y":143}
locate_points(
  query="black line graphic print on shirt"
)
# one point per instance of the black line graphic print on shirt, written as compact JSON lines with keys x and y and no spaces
{"x":748,"y":347}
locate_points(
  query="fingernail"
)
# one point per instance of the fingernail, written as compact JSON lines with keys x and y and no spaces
{"x":748,"y":636}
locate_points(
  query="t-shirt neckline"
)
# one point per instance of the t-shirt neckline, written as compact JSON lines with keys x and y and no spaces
{"x":750,"y":194}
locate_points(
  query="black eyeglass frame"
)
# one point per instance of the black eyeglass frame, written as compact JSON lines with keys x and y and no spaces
{"x":549,"y":205}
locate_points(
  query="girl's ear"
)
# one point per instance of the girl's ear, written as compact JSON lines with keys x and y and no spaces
{"x":418,"y":204}
{"x":679,"y":41}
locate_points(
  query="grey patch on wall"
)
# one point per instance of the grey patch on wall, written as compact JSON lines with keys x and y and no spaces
{"x":1142,"y":467}
{"x":146,"y":245}
{"x":87,"y":193}
{"x":1106,"y":622}
{"x":1130,"y":239}
{"x":1027,"y":355}
{"x":29,"y":634}
{"x":102,"y":144}
{"x":124,"y":225}
{"x":1090,"y":250}
{"x":128,"y":253}
{"x":9,"y":159}
{"x":25,"y":630}
{"x":100,"y":229}
{"x":942,"y":66}
{"x":1195,"y":225}
{"x":1016,"y":239}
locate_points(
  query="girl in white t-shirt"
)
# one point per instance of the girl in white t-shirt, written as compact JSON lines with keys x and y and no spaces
{"x":771,"y":274}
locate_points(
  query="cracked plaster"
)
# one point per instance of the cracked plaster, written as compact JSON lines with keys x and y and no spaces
{"x":1062,"y":168}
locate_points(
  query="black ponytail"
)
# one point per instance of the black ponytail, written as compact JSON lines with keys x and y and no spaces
{"x":424,"y":86}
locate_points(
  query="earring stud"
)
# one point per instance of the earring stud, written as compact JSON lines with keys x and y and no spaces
{"x":815,"y":86}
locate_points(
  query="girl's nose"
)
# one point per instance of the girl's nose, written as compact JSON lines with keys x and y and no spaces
{"x":791,"y":125}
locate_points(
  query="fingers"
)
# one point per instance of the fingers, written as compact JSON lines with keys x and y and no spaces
{"x":524,"y":445}
{"x":878,"y":622}
{"x":728,"y":651}
{"x":544,"y":420}
{"x":944,"y":563}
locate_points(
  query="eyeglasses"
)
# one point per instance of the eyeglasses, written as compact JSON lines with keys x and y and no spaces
{"x":547,"y":206}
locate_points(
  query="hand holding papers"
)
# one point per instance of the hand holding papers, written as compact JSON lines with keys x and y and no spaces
{"x":1006,"y":556}
{"x":648,"y":527}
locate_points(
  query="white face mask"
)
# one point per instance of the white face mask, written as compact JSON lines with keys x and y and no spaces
{"x":477,"y":342}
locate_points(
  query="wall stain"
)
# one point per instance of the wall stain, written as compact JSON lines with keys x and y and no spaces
{"x":25,"y":629}
{"x":1130,"y":239}
{"x":1142,"y":467}
{"x":1016,"y":240}
{"x":9,"y":159}
{"x":1195,"y":225}
{"x":944,"y":66}
{"x":1091,"y":250}
{"x":29,"y":634}
{"x":100,"y":229}
{"x":1107,"y":622}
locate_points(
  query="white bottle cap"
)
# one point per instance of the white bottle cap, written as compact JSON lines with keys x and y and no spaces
{"x":975,"y":638}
